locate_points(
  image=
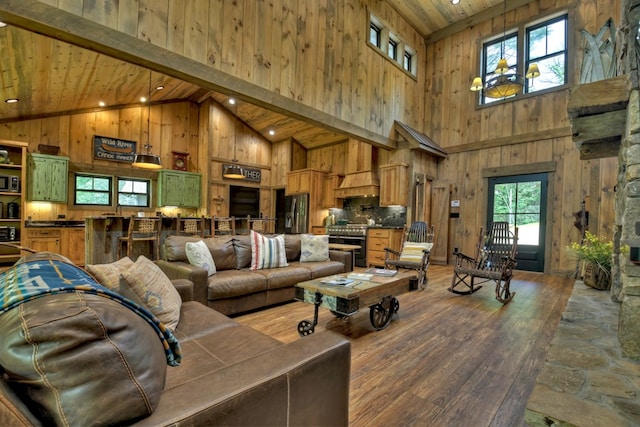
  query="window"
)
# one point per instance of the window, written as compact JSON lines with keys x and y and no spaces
{"x":385,"y":42}
{"x":545,"y":44}
{"x":93,"y":190}
{"x":133,"y":192}
{"x":374,"y":34}
{"x":393,"y":49}
{"x":547,"y":47}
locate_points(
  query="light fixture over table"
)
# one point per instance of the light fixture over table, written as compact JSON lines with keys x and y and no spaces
{"x":147,"y":160}
{"x":504,"y":84}
{"x":234,"y":171}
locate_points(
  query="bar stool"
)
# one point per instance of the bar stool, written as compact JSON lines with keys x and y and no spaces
{"x":141,"y":229}
{"x":223,"y":226}
{"x":190,"y":226}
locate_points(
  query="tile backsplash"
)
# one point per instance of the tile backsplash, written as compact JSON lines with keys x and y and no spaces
{"x":359,"y":210}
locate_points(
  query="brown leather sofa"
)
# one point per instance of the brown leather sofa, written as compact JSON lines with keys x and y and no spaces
{"x":230,"y":374}
{"x":235,"y":288}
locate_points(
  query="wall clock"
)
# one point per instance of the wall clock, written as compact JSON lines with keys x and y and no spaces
{"x":180,"y":160}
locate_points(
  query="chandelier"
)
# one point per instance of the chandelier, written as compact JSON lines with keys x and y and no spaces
{"x":506,"y":82}
{"x":147,"y":160}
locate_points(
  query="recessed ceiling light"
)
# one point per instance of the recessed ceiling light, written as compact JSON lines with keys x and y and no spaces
{"x":102,"y":103}
{"x":143,"y":99}
{"x":232,"y":101}
{"x":11,"y":100}
{"x":272,"y":132}
{"x":159,"y":87}
{"x":455,"y":1}
{"x":3,"y":24}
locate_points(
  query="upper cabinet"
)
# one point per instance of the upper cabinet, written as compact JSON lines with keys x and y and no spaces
{"x":181,"y":189}
{"x":47,"y":178}
{"x":13,"y":157}
{"x":330,"y":184}
{"x":394,"y":184}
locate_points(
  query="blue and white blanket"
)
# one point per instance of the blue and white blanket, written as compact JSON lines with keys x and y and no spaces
{"x":32,"y":279}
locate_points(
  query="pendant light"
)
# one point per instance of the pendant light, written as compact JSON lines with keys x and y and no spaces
{"x":147,"y":160}
{"x":234,"y":171}
{"x":504,"y":85}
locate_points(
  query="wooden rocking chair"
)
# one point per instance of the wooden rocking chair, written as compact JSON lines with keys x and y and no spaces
{"x":417,"y":242}
{"x":494,"y":261}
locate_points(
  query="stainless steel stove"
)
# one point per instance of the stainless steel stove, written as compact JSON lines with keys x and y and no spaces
{"x":351,"y":234}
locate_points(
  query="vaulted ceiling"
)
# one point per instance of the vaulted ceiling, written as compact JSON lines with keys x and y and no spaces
{"x":52,"y":77}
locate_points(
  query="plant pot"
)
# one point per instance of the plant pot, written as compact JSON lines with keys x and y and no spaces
{"x":595,"y":276}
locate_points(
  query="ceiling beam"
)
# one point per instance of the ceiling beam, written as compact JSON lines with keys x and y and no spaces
{"x":50,"y":21}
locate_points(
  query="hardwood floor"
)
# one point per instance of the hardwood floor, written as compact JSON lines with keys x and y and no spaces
{"x":445,"y":360}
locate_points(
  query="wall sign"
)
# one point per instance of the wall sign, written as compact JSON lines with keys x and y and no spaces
{"x":253,"y":175}
{"x":113,"y":149}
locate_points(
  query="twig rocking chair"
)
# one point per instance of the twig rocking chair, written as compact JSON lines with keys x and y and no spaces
{"x":417,"y":242}
{"x":494,"y":261}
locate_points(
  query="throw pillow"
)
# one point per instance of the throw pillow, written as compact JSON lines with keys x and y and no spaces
{"x":314,"y":248}
{"x":155,"y":290}
{"x":412,"y":251}
{"x":267,"y":252}
{"x":198,"y":254}
{"x":108,"y":275}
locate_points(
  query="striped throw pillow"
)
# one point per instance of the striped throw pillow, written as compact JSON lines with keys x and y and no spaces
{"x":412,"y":251}
{"x":267,"y":252}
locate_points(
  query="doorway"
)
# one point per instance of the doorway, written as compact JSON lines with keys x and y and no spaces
{"x":522,"y":202}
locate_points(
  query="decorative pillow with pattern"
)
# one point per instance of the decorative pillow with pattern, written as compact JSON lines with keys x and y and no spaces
{"x":314,"y":248}
{"x":199,"y":255}
{"x":108,"y":275}
{"x":267,"y":252}
{"x":155,"y":290}
{"x":412,"y":251}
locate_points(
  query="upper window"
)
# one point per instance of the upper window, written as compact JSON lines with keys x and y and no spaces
{"x":383,"y":40}
{"x":93,"y":190}
{"x":545,"y":45}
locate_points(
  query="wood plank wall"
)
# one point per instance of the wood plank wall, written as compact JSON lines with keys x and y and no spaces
{"x":524,"y":132}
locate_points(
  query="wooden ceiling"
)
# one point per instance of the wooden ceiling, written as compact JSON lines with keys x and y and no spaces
{"x":52,"y":77}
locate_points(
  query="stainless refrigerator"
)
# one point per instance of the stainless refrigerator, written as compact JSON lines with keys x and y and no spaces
{"x":296,"y":218}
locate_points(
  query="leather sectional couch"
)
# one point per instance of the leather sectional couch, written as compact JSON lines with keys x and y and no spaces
{"x":229,"y":374}
{"x":235,"y":288}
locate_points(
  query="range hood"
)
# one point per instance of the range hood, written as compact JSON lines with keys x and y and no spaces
{"x":359,"y":184}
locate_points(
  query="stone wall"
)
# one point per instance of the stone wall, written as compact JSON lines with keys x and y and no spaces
{"x":626,"y":285}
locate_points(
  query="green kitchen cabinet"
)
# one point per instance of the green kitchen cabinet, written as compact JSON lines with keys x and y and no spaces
{"x":181,"y":189}
{"x":47,"y":178}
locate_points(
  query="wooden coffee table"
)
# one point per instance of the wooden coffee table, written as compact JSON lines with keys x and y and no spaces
{"x":378,"y":293}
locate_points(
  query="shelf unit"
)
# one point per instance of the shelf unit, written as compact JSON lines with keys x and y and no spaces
{"x":16,"y":167}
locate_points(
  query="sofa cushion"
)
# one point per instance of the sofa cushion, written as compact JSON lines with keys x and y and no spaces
{"x":285,"y":277}
{"x":292,"y":246}
{"x":320,"y":269}
{"x":155,"y":290}
{"x":267,"y":252}
{"x":199,"y":255}
{"x":109,"y":275}
{"x":233,"y":283}
{"x":174,"y":247}
{"x":314,"y":248}
{"x":63,"y":350}
{"x":242,"y":246}
{"x":223,"y":252}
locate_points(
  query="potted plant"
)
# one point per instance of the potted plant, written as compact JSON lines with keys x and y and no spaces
{"x":596,"y":255}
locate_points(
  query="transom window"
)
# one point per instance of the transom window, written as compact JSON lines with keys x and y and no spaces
{"x":385,"y":41}
{"x":543,"y":43}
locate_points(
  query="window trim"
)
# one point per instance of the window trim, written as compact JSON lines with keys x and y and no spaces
{"x":521,"y":30}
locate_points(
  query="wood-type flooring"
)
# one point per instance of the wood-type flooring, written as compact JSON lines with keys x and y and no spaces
{"x":445,"y":359}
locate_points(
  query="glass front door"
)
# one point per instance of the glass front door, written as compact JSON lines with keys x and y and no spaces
{"x":521,"y":201}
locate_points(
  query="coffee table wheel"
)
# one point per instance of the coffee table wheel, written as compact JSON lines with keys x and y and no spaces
{"x":380,"y":316}
{"x":306,"y":327}
{"x":395,"y":305}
